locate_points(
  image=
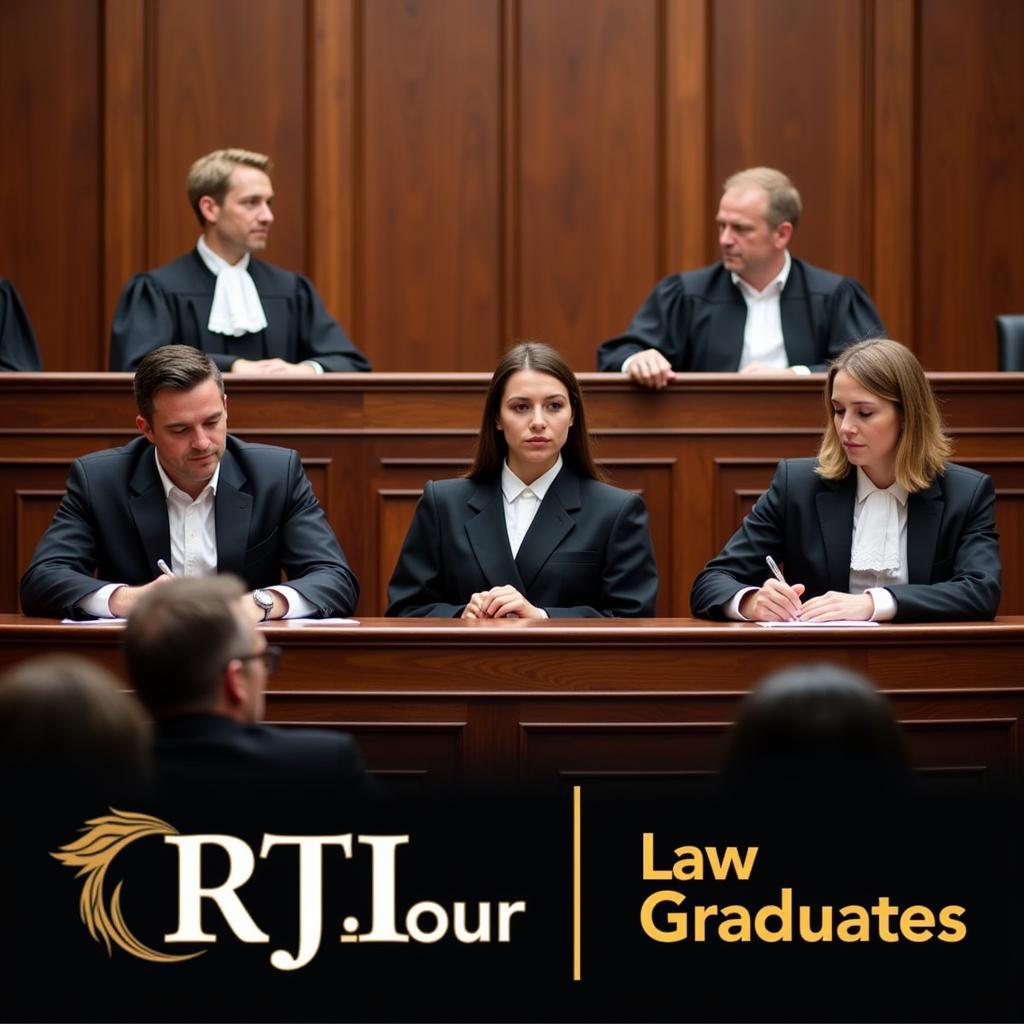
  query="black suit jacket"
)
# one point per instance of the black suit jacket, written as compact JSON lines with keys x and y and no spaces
{"x":587,"y":552}
{"x":112,"y":521}
{"x":171,"y":306}
{"x":696,"y":320}
{"x":806,"y":523}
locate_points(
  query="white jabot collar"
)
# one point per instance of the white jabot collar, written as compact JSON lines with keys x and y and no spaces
{"x":876,"y":546}
{"x":236,"y":308}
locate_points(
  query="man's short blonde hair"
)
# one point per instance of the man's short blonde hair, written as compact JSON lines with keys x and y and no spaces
{"x":210,"y":174}
{"x":783,"y":198}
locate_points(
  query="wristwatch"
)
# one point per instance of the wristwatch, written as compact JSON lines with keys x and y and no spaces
{"x":265,"y":599}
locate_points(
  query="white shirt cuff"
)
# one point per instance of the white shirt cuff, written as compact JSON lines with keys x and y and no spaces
{"x":800,"y":370}
{"x":885,"y":604}
{"x":97,"y":604}
{"x":625,"y":362}
{"x":732,"y":607}
{"x":317,"y":368}
{"x":298,"y":606}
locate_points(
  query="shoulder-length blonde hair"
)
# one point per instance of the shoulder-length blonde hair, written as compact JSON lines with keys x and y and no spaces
{"x":491,"y":447}
{"x":890,"y":371}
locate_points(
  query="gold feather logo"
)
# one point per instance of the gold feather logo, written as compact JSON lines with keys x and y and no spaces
{"x":93,"y":853}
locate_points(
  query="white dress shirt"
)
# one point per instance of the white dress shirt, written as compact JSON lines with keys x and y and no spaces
{"x":521,"y":502}
{"x":889,"y":535}
{"x":193,"y":531}
{"x":762,"y":332}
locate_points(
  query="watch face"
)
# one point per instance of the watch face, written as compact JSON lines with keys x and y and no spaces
{"x":263,"y":598}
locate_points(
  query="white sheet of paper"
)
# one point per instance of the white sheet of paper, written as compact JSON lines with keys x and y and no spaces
{"x":842,"y":623}
{"x":93,"y":622}
{"x":297,"y":623}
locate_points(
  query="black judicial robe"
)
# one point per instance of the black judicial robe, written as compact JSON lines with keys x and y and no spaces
{"x":171,"y":306}
{"x":696,"y":320}
{"x":18,"y":348}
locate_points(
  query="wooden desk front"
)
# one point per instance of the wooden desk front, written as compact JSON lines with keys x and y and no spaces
{"x":700,"y":452}
{"x":439,"y":699}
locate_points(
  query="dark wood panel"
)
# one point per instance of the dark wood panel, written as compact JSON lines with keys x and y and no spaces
{"x":231,"y":73}
{"x":789,"y":93}
{"x":50,"y":214}
{"x":440,"y":699}
{"x":590,"y":228}
{"x":971,"y":153}
{"x":429,"y":242}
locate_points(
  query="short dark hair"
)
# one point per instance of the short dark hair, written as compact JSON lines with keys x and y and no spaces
{"x":68,"y":718}
{"x":180,"y":638}
{"x":491,"y":447}
{"x":176,"y":367}
{"x":816,"y":726}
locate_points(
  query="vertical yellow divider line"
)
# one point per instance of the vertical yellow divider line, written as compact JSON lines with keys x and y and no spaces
{"x":576,"y":975}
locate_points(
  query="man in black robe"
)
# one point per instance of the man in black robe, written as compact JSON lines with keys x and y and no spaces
{"x":18,"y":349}
{"x":248,"y":316}
{"x":759,"y":310}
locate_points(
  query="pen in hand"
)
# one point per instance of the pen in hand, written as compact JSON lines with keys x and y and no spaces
{"x":777,"y":573}
{"x":166,"y":569}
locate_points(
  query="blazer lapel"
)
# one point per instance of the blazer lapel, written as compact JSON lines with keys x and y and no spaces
{"x":488,"y":537}
{"x":148,"y":505}
{"x":835,"y":518}
{"x":924,"y":516}
{"x":550,"y":525}
{"x":232,"y":514}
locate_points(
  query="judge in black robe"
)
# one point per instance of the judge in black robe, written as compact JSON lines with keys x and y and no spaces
{"x":18,"y":348}
{"x":696,"y":320}
{"x":171,"y":306}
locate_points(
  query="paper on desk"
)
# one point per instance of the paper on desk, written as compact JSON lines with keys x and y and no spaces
{"x":296,"y":623}
{"x":842,"y":623}
{"x":93,"y":622}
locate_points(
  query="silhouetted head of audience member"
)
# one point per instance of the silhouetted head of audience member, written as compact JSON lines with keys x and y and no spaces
{"x":816,"y":729}
{"x":69,"y":736}
{"x":190,"y":649}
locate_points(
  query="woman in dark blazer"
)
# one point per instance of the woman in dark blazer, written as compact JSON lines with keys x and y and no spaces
{"x":878,"y":526}
{"x":531,"y":531}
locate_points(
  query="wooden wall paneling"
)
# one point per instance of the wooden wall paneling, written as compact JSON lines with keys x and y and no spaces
{"x":429,"y":177}
{"x":788,"y":87}
{"x":590,"y":220}
{"x":971,"y":139}
{"x":127,"y":40}
{"x":333,"y":160}
{"x":231,"y":73}
{"x":892,"y":225}
{"x":50,"y":215}
{"x":686,"y":187}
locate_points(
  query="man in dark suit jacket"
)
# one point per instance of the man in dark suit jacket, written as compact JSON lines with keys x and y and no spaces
{"x":806,"y":523}
{"x":250,"y":316}
{"x":190,"y":495}
{"x":757,"y":311}
{"x":587,"y":552}
{"x":200,"y":667}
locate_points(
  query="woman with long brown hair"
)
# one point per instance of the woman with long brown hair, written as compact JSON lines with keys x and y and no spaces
{"x":532,"y":531}
{"x":879,"y":526}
